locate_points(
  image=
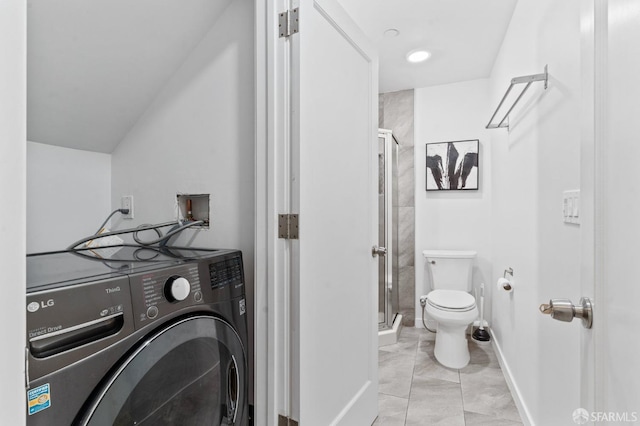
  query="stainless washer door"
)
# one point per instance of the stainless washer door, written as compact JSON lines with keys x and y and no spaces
{"x":192,"y":372}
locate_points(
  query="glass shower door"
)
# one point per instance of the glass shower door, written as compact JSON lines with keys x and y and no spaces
{"x":388,"y":228}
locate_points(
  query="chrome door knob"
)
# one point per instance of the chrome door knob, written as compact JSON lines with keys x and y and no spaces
{"x":378,"y":251}
{"x":564,"y":310}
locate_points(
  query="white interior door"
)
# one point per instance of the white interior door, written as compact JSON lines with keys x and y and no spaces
{"x":617,"y":315}
{"x":334,"y":300}
{"x":610,"y":389}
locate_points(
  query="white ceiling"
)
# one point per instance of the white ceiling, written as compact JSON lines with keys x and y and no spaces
{"x":464,"y":37}
{"x":93,"y":67}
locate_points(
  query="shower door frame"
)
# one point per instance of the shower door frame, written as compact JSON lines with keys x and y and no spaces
{"x":388,"y":273}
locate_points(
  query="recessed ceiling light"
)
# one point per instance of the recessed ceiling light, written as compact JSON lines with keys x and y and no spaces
{"x":416,"y":56}
{"x":391,"y":32}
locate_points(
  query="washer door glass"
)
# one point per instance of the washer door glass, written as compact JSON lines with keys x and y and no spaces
{"x":191,"y":373}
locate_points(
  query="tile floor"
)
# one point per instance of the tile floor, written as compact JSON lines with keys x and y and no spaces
{"x":416,"y":390}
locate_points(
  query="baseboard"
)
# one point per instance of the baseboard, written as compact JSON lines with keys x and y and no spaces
{"x":390,"y":336}
{"x":525,"y":415}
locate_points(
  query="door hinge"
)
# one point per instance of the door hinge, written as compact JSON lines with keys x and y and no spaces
{"x":288,"y":22}
{"x":286,"y":421}
{"x":288,"y":226}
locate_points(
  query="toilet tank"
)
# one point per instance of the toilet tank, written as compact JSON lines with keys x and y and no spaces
{"x":449,"y":269}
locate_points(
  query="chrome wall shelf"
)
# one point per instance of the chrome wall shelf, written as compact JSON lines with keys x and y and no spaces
{"x":528,"y":79}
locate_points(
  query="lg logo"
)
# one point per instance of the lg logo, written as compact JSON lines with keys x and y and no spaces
{"x":34,"y":306}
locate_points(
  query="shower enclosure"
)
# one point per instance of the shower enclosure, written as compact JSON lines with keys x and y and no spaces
{"x":388,"y":318}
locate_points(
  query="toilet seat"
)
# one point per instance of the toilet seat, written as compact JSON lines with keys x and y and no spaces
{"x":451,"y":300}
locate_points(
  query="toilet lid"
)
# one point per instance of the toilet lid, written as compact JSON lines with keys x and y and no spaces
{"x":451,"y":299}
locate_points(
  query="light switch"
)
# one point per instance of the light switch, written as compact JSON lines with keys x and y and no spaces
{"x":571,"y":206}
{"x":570,"y":200}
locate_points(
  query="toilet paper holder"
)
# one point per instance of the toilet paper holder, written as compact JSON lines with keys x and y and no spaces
{"x":504,"y":283}
{"x":508,"y":271}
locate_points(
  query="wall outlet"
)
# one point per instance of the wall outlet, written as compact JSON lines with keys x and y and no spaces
{"x":127,"y":203}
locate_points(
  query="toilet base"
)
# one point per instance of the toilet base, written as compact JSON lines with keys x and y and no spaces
{"x":451,"y":348}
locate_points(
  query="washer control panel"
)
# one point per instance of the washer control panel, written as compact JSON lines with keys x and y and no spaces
{"x":158,"y":293}
{"x":226,"y":272}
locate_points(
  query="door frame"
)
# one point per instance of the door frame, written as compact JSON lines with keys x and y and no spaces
{"x":272,"y":349}
{"x":593,"y":18}
{"x":13,"y":168}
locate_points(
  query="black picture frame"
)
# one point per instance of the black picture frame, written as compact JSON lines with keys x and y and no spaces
{"x":453,"y":165}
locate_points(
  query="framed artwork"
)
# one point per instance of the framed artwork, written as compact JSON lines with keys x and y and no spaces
{"x":452,"y":165}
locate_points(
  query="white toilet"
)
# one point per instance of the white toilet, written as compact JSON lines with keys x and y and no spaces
{"x":450,"y":304}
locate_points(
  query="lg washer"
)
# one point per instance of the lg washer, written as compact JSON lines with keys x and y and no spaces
{"x":137,"y":337}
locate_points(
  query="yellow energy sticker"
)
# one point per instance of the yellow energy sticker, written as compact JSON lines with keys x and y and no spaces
{"x":38,"y":399}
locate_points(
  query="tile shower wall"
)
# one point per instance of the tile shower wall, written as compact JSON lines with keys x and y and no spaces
{"x":396,"y":114}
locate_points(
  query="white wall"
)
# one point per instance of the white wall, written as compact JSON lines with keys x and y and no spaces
{"x":532,"y":164}
{"x":13,"y":136}
{"x":459,"y":220}
{"x":68,"y":195}
{"x":198,"y":137}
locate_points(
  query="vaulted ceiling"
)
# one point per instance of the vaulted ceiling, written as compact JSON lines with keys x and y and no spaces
{"x":94,"y":67}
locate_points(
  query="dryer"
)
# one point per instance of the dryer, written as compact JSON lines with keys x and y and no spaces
{"x":139,"y":336}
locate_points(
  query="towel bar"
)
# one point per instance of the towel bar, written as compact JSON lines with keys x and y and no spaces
{"x":528,"y":79}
